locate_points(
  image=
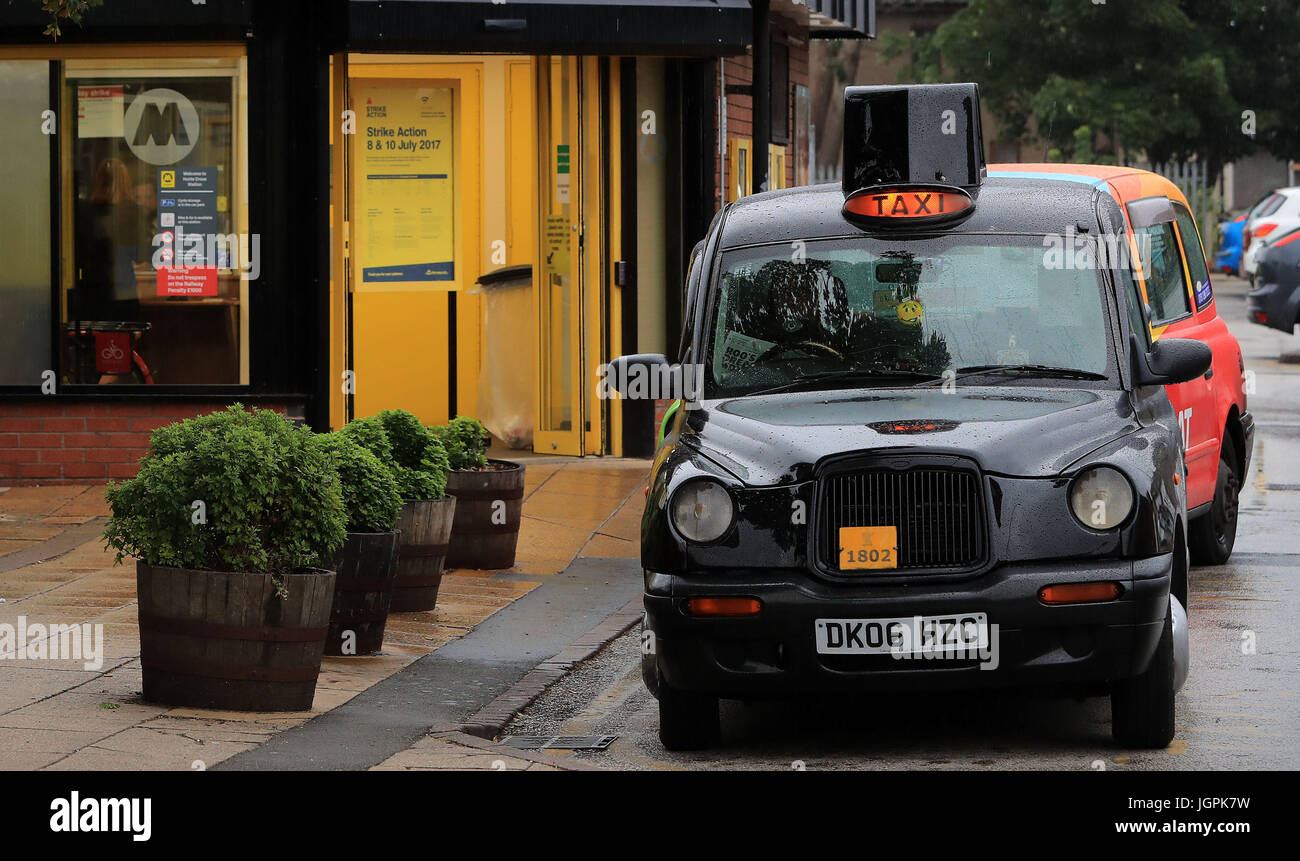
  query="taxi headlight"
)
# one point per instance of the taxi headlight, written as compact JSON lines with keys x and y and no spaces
{"x":1101,"y":497}
{"x":702,"y":510}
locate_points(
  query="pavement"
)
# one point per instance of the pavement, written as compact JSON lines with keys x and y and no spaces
{"x":1240,"y":708}
{"x":578,"y":546}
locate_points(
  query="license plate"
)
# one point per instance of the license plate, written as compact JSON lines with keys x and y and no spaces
{"x":905,"y":635}
{"x":868,"y":547}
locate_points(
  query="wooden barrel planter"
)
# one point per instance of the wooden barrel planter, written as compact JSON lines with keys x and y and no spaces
{"x":226,"y":640}
{"x":489,"y":505}
{"x":367,"y":569}
{"x":425,"y":526}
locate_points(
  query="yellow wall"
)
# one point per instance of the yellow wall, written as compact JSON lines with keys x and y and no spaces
{"x":400,"y":332}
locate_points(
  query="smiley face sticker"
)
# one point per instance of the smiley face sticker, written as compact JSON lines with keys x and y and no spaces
{"x":911,"y":312}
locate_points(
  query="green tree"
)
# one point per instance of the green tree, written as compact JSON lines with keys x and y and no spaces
{"x":1166,"y":78}
{"x":65,"y":10}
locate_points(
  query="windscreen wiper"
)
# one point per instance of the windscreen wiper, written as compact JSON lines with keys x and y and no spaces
{"x":1020,"y":371}
{"x":854,"y":374}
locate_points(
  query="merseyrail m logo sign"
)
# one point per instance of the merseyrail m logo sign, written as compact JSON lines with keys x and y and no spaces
{"x":161,"y":126}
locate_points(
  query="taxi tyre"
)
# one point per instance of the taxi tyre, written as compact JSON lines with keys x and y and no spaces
{"x":687,"y":720}
{"x":1142,"y":707}
{"x":1213,"y":534}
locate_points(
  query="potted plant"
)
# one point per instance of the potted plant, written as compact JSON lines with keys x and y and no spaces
{"x":367,"y":563}
{"x":226,"y":519}
{"x":489,"y":498}
{"x":419,"y":464}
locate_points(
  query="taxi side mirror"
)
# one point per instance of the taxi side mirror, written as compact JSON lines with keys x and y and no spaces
{"x":629,"y":375}
{"x":1170,"y":361}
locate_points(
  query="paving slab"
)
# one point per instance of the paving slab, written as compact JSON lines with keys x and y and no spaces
{"x":54,"y":714}
{"x":448,"y":685}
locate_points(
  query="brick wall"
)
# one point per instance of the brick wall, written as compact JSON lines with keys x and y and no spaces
{"x":58,"y":442}
{"x":738,"y":71}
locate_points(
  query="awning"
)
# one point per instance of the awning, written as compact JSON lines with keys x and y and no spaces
{"x":662,"y":27}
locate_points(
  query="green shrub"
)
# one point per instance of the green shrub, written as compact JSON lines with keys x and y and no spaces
{"x":419,"y":459}
{"x":238,"y":490}
{"x":369,"y":433}
{"x":465,"y":439}
{"x":370,"y":497}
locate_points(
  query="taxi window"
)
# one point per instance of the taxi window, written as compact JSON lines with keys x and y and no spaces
{"x":1133,"y":301}
{"x":1166,"y":287}
{"x":1201,"y":289}
{"x":920,"y":305}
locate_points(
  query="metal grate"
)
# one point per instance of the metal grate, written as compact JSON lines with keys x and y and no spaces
{"x":559,"y":742}
{"x":939,"y":514}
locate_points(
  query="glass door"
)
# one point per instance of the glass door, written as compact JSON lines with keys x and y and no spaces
{"x":560,"y":396}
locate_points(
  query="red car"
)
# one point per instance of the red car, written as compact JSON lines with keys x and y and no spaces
{"x":1178,"y":297}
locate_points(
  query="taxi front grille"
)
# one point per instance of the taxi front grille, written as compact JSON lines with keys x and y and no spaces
{"x":938,"y":512}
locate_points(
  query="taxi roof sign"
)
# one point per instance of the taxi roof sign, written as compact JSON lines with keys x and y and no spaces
{"x":923,"y":134}
{"x":907,"y":204}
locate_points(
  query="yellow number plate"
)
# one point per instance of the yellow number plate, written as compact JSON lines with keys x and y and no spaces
{"x":868,"y":547}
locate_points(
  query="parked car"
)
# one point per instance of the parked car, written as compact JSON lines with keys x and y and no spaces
{"x":927,"y":453}
{"x":1272,"y":217}
{"x":1276,"y":300}
{"x":1228,"y":258}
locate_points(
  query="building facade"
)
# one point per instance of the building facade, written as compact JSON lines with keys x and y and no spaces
{"x":332,"y":208}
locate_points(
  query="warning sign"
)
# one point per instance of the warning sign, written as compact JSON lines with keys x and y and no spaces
{"x":558,"y":243}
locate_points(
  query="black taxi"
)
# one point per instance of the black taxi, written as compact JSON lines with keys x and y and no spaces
{"x":925,"y":450}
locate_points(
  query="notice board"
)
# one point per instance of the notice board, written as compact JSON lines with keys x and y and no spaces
{"x":404,"y":172}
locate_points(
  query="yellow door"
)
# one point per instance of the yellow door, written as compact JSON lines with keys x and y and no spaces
{"x":414,"y":223}
{"x":574,"y":272}
{"x":559,"y":277}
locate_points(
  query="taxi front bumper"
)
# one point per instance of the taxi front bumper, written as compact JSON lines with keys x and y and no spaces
{"x":1031,"y":643}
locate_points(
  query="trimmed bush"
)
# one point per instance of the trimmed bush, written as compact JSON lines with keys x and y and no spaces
{"x":238,"y":490}
{"x":369,"y":433}
{"x":370,"y":497}
{"x":465,"y":439}
{"x":419,"y":459}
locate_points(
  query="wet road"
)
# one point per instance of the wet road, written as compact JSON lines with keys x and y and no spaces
{"x":1239,"y":709}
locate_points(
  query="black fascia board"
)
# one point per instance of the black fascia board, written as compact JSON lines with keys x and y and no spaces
{"x":647,"y":27}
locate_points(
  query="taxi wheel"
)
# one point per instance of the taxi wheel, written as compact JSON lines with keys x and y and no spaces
{"x":1142,"y":708}
{"x":1214,"y":533}
{"x":687,"y":720}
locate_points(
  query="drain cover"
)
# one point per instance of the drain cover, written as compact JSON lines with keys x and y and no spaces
{"x":1282,"y":486}
{"x":559,"y":742}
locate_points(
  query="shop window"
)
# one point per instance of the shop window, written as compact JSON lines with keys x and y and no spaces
{"x":776,"y":156}
{"x":741,"y":179}
{"x":156,"y":258}
{"x":25,"y":302}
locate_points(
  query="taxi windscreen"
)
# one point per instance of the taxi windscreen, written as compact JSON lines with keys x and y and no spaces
{"x":912,"y":309}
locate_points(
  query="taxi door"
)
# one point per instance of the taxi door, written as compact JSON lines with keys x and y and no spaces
{"x":1170,"y":313}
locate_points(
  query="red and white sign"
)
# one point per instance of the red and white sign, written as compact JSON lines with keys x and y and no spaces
{"x":100,"y":111}
{"x":187,"y":281}
{"x":113,"y":352}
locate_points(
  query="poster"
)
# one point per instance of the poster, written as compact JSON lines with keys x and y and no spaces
{"x":405,"y":185}
{"x":100,"y":110}
{"x":187,"y":225}
{"x":558,"y":243}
